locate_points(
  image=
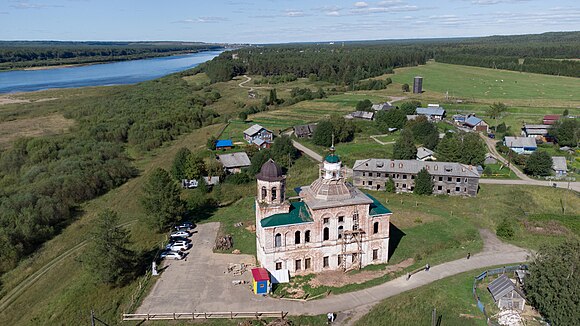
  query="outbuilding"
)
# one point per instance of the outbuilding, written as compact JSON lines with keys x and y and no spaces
{"x":261,"y":281}
{"x":235,"y":162}
{"x":559,"y":166}
{"x":224,"y":144}
{"x":521,"y":145}
{"x":505,"y":294}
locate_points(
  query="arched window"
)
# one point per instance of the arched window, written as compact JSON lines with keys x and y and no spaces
{"x":307,"y":236}
{"x":274,"y":193}
{"x":326,"y":234}
{"x":297,"y":237}
{"x":376,"y":228}
{"x":264,"y":193}
{"x":355,"y":221}
{"x":340,"y":228}
{"x":278,"y":240}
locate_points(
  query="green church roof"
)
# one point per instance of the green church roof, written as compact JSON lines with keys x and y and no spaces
{"x":377,"y":208}
{"x":332,"y":158}
{"x":298,"y":214}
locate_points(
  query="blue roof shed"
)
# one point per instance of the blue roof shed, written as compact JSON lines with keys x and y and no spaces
{"x":224,"y":143}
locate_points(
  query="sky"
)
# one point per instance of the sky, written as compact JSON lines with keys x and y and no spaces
{"x":279,"y":21}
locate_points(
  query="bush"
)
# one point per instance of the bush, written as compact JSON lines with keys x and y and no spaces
{"x":238,"y":178}
{"x":505,"y":230}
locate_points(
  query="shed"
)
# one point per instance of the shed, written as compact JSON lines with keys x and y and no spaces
{"x":559,"y":165}
{"x":260,"y":280}
{"x":425,"y":154}
{"x":432,"y":112}
{"x":476,"y":124}
{"x":521,"y":145}
{"x":550,"y":119}
{"x":234,"y":162}
{"x":505,"y":294}
{"x":224,"y":144}
{"x":364,"y":115}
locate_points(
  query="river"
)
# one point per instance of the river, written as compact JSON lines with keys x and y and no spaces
{"x":116,"y":73}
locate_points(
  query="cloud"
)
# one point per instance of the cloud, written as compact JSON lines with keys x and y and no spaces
{"x":382,"y":7}
{"x":361,"y":4}
{"x":494,"y":2}
{"x":30,"y":5}
{"x":294,"y":13}
{"x":202,"y":20}
{"x":333,"y":13}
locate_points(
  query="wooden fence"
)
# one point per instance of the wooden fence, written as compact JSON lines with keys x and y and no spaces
{"x":204,"y":315}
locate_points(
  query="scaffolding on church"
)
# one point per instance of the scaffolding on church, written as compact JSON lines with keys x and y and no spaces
{"x":349,"y":237}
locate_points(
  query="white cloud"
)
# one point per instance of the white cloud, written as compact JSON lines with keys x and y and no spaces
{"x":30,"y":5}
{"x":294,"y":13}
{"x":361,"y":4}
{"x":333,"y":13}
{"x":202,"y":20}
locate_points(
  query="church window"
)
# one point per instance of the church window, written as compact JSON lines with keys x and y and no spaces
{"x":325,"y":220}
{"x":340,"y":229}
{"x":355,"y":221}
{"x":307,"y":263}
{"x":339,"y":260}
{"x":307,"y":236}
{"x":278,"y":240}
{"x":264,"y":193}
{"x":375,"y":254}
{"x":376,"y":228}
{"x":326,"y":234}
{"x":274,"y":193}
{"x":325,"y":262}
{"x":297,"y":237}
{"x":298,"y":264}
{"x":340,"y":219}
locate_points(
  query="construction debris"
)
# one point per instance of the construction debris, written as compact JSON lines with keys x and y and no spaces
{"x":224,"y":243}
{"x":280,"y":322}
{"x":238,"y":269}
{"x":238,"y":224}
{"x":236,"y":252}
{"x":509,"y":318}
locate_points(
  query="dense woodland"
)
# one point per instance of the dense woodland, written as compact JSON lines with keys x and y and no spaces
{"x":23,"y":54}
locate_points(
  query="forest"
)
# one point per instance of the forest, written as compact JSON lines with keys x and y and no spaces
{"x":350,"y":62}
{"x":25,"y":54}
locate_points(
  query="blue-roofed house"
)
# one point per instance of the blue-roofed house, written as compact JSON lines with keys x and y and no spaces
{"x":476,"y":124}
{"x":224,"y":144}
{"x":432,"y":112}
{"x":330,"y":225}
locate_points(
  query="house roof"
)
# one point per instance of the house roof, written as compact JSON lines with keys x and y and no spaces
{"x":302,"y":130}
{"x":258,"y":141}
{"x":298,"y":214}
{"x":224,"y":143}
{"x":473,"y":121}
{"x":430,"y":111}
{"x":382,"y":106}
{"x":502,"y":286}
{"x":542,"y":126}
{"x":552,"y":117}
{"x":559,"y":163}
{"x":253,"y":130}
{"x":260,"y":274}
{"x":525,"y":142}
{"x":377,"y":208}
{"x":459,"y":117}
{"x":362,"y":114}
{"x":423,"y":152}
{"x":235,"y":160}
{"x":414,"y":166}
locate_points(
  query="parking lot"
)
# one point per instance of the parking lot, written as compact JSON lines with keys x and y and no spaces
{"x":184,"y":285}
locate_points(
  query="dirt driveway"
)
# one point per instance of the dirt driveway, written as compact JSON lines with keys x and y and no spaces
{"x":185,"y":284}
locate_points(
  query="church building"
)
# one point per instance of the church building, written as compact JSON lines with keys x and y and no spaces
{"x":330,"y":225}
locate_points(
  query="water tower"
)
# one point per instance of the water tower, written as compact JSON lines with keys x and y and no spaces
{"x":418,"y":85}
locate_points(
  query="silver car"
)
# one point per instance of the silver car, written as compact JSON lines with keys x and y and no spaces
{"x":170,"y":254}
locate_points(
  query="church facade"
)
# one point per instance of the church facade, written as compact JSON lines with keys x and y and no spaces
{"x":330,"y":225}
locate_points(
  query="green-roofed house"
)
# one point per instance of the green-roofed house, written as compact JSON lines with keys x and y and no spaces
{"x":331,"y":225}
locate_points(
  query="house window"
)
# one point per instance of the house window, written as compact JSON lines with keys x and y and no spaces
{"x":370,"y":183}
{"x":307,"y":263}
{"x":364,"y":174}
{"x":278,"y":266}
{"x":404,"y":186}
{"x":363,"y":183}
{"x":370,"y":174}
{"x":325,"y":220}
{"x":404,"y":176}
{"x":297,"y":237}
{"x":307,"y":236}
{"x":465,"y":180}
{"x":439,"y":187}
{"x":340,"y":229}
{"x":376,"y":228}
{"x":339,"y":260}
{"x":375,"y":254}
{"x":457,"y":189}
{"x":298,"y":264}
{"x":440,"y":178}
{"x":325,"y":262}
{"x":274,"y":193}
{"x":278,"y":240}
{"x":413,"y":177}
{"x":340,"y":219}
{"x":326,"y":234}
{"x":449,"y":179}
{"x":458,"y":179}
{"x":264,"y":193}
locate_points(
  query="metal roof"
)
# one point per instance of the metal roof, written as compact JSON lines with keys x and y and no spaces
{"x":224,"y":143}
{"x":430,"y":111}
{"x":525,"y":142}
{"x":559,"y":163}
{"x":258,"y":141}
{"x":473,"y":121}
{"x":253,"y":130}
{"x":260,"y":274}
{"x":414,"y":166}
{"x":235,"y":160}
{"x":536,"y":126}
{"x":382,"y":106}
{"x":363,"y":114}
{"x":423,"y":152}
{"x":502,"y":286}
{"x":377,"y":208}
{"x":298,"y":214}
{"x":302,"y":130}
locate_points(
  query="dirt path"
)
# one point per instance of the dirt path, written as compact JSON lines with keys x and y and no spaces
{"x":373,"y":137}
{"x":317,"y":157}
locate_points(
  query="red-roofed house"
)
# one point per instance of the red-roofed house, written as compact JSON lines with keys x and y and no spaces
{"x":550,"y":119}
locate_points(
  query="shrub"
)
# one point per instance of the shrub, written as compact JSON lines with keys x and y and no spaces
{"x":505,"y":230}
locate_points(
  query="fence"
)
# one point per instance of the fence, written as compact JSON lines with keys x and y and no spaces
{"x":204,"y":315}
{"x":485,"y":274}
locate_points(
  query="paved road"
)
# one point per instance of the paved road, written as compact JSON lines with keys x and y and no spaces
{"x":199,"y":284}
{"x":491,"y":147}
{"x":317,"y":157}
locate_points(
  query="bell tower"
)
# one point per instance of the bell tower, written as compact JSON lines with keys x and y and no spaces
{"x":270,"y":192}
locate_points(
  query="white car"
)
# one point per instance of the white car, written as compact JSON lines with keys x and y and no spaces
{"x":184,"y":234}
{"x":177,"y":255}
{"x":178,"y":246}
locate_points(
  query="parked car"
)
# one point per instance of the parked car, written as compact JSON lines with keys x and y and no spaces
{"x":177,"y":255}
{"x":184,"y":234}
{"x":185,"y":225}
{"x":174,"y":239}
{"x":178,"y":246}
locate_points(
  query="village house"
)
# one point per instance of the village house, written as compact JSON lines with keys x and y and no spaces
{"x":258,"y":136}
{"x":425,"y":154}
{"x":506,"y":294}
{"x":476,"y":124}
{"x":459,"y":119}
{"x":382,"y":106}
{"x":304,"y":131}
{"x":550,"y":119}
{"x":363,"y":115}
{"x":521,"y":145}
{"x":433,"y":112}
{"x":448,"y":177}
{"x":234,"y":162}
{"x":331,"y":225}
{"x":539,"y":132}
{"x":559,"y":166}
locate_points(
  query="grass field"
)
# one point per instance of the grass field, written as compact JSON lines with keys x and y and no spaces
{"x":33,"y":127}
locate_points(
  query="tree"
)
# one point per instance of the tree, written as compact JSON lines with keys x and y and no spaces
{"x":404,"y":148}
{"x":283,"y":151}
{"x":364,"y":105}
{"x":390,"y":185}
{"x":214,"y":168}
{"x":243,"y":116}
{"x":538,"y":163}
{"x":194,"y":167}
{"x":161,"y":200}
{"x":409,"y":107}
{"x":258,"y":160}
{"x":405,"y":87}
{"x":211,"y":143}
{"x":472,"y":150}
{"x":323,"y":134}
{"x":566,"y":132}
{"x":108,"y":257}
{"x":448,"y":149}
{"x":343,"y":129}
{"x":553,"y":283}
{"x":501,"y":128}
{"x":180,"y":163}
{"x":394,"y":118}
{"x":423,"y":183}
{"x":565,"y":113}
{"x":496,"y":110}
{"x":273,"y":98}
{"x":424,"y":132}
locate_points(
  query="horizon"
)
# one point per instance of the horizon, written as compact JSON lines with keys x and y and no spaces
{"x":280,"y":21}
